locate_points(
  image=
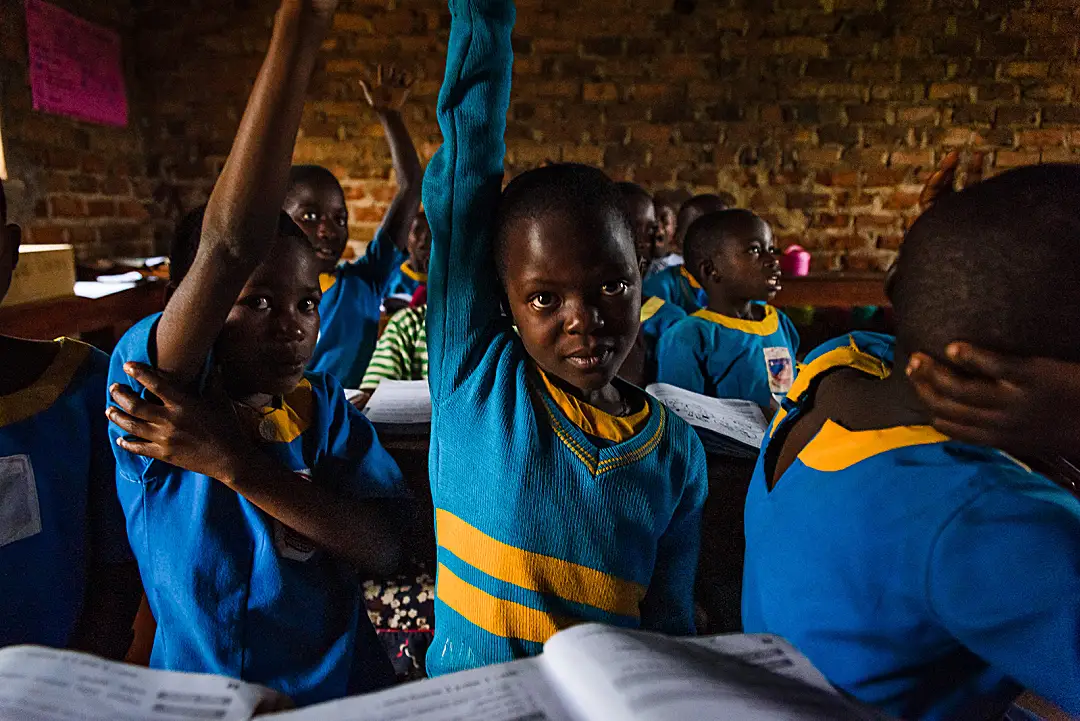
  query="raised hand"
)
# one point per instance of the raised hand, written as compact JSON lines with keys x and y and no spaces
{"x":388,"y":90}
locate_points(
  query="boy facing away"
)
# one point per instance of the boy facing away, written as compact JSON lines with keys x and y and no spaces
{"x":353,"y":293}
{"x":561,"y":493}
{"x":923,"y":574}
{"x":737,"y":347}
{"x":251,"y":487}
{"x":68,"y":576}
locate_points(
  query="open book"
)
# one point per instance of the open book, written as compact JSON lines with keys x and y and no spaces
{"x":399,"y":407}
{"x":726,"y":426}
{"x":586,"y":673}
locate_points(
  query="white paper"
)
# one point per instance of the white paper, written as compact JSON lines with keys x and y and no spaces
{"x":93,"y":290}
{"x":133,"y":276}
{"x":40,"y":684}
{"x":610,"y":673}
{"x":740,"y":420}
{"x":142,"y":262}
{"x":509,"y":692}
{"x":400,"y":403}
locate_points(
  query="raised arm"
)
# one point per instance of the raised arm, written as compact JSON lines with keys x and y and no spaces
{"x":462,"y":187}
{"x":242,"y":216}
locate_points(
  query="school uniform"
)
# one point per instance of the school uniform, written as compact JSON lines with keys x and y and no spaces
{"x":59,"y":515}
{"x":930,"y":577}
{"x":724,"y":357}
{"x":543,"y":518}
{"x":401,"y":353}
{"x":676,"y":285}
{"x":404,"y":281}
{"x":657,"y":317}
{"x":659,"y":265}
{"x":350,"y":310}
{"x":234,"y":591}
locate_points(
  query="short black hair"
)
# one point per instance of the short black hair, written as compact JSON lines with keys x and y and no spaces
{"x":312,"y":175}
{"x":707,"y":234}
{"x":580,"y":191}
{"x":188,"y":233}
{"x":995,"y":265}
{"x":696,"y":207}
{"x":633,"y":190}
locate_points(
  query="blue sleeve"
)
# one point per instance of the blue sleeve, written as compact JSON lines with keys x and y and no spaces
{"x":656,"y":286}
{"x":108,"y":531}
{"x":354,"y":459}
{"x":378,"y":262}
{"x":668,"y":605}
{"x":462,"y":188}
{"x":1004,"y":579}
{"x":680,"y":358}
{"x":137,"y":346}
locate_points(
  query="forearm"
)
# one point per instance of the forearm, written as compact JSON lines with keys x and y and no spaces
{"x":409,"y":176}
{"x":361,"y":533}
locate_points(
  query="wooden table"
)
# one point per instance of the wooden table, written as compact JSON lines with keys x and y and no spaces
{"x":833,"y":290}
{"x":106,"y":319}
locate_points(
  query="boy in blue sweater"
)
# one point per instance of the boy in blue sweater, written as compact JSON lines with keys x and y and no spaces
{"x":926,"y":575}
{"x":561,"y":493}
{"x":65,"y":567}
{"x":353,"y":292}
{"x":737,"y":347}
{"x":255,"y":495}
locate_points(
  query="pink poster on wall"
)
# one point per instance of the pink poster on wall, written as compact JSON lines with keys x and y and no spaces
{"x":75,"y":66}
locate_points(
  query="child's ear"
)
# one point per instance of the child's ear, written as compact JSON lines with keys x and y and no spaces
{"x":707,"y":271}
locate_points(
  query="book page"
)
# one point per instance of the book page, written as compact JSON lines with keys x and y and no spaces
{"x":42,"y":684}
{"x":516,"y":691}
{"x":614,"y":673}
{"x":400,"y":403}
{"x":739,"y":420}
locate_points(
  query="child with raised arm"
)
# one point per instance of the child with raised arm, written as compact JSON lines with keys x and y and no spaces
{"x":562,"y":494}
{"x":353,"y":292}
{"x":251,"y":487}
{"x":68,"y":577}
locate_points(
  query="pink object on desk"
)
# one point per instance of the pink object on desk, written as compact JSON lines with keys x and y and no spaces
{"x":795,"y":261}
{"x":75,"y":66}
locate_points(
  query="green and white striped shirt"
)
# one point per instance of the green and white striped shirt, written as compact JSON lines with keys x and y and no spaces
{"x":401,"y":353}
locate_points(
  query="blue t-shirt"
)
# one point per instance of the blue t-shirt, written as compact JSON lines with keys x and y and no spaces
{"x":675,"y":285}
{"x":350,"y":310}
{"x":58,"y":509}
{"x":879,"y":345}
{"x":929,"y":577}
{"x":234,"y":591}
{"x":723,"y":357}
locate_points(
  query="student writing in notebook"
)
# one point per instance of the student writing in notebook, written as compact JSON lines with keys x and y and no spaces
{"x":255,"y":495}
{"x":561,"y":493}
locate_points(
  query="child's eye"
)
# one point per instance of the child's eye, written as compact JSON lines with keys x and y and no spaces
{"x":755,"y":250}
{"x":309,"y":216}
{"x":308,"y":305}
{"x":616,"y":288}
{"x":342,"y":221}
{"x":259,"y":302}
{"x":543,"y":301}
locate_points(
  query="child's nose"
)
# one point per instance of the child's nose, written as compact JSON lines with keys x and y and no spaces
{"x":582,"y":318}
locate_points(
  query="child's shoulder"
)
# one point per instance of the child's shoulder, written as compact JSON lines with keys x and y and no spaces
{"x":44,"y":371}
{"x":137,"y":344}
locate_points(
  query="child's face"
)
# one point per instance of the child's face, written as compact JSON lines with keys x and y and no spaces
{"x":420,"y":243}
{"x":745,"y":267}
{"x":319,"y":209}
{"x":575,"y":294}
{"x":644,"y":226}
{"x":665,"y":219}
{"x":270,"y":333}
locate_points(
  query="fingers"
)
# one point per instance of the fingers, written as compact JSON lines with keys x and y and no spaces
{"x":130,"y":402}
{"x":141,"y":448}
{"x":941,"y":182}
{"x":950,"y":383}
{"x":979,"y":361}
{"x":131,"y":425}
{"x":154,"y":382}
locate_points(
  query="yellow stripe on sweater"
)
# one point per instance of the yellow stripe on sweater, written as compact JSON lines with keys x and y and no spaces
{"x":495,"y":615}
{"x":536,"y":572}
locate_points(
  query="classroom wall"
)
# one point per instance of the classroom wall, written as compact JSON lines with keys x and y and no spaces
{"x":72,"y":182}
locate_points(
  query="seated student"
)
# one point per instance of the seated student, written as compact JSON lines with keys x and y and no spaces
{"x":412,"y":273}
{"x":667,"y":204}
{"x":737,"y":347}
{"x":401,"y":353}
{"x":562,"y":494}
{"x":923,"y":574}
{"x":251,"y":487}
{"x":676,"y":283}
{"x":656,"y":316}
{"x":353,"y":293}
{"x":68,"y":576}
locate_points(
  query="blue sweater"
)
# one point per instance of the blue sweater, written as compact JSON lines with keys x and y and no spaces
{"x":349,"y":312}
{"x":234,"y":591}
{"x":537,"y":527}
{"x":930,"y":577}
{"x":673,"y":286}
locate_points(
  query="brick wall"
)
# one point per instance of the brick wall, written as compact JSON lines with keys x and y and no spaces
{"x":72,"y":182}
{"x":824,"y":115}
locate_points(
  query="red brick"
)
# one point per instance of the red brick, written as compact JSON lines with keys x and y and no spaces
{"x":600,"y":92}
{"x":1040,"y":138}
{"x":1026,"y":69}
{"x":1015,"y":158}
{"x":66,"y":206}
{"x":101,"y":208}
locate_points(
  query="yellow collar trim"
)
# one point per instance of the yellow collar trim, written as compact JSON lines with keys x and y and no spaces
{"x":650,"y":307}
{"x":593,"y":421}
{"x":286,"y":423}
{"x":46,"y":390}
{"x":326,"y":281}
{"x":766,"y":326}
{"x":415,"y":275}
{"x":689,"y":278}
{"x":835,"y":448}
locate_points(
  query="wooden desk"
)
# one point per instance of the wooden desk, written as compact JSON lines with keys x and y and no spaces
{"x":107,"y":318}
{"x":833,"y":290}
